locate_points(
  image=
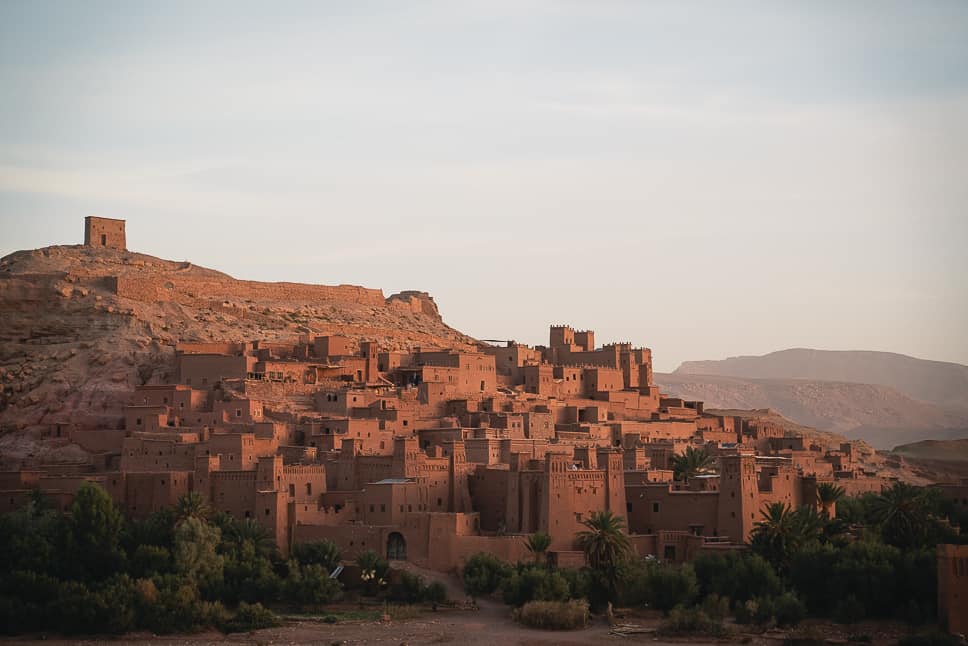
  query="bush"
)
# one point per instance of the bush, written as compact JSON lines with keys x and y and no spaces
{"x":484,"y":573}
{"x":553,"y":615}
{"x":436,"y":592}
{"x":739,"y":576}
{"x":250,"y":617}
{"x":692,"y":621}
{"x":324,"y":553}
{"x":150,"y":560}
{"x":534,"y":584}
{"x":788,"y":610}
{"x":580,"y":582}
{"x":310,"y":585}
{"x":715,"y":607}
{"x":661,"y":586}
{"x":172,"y":605}
{"x":373,"y":571}
{"x":411,"y":589}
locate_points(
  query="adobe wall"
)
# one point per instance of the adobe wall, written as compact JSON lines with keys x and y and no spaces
{"x":146,"y":493}
{"x":98,"y":441}
{"x":953,"y":588}
{"x":199,"y":292}
{"x":655,"y":507}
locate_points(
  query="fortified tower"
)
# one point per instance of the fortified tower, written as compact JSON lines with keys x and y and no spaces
{"x":104,"y":232}
{"x":738,"y":496}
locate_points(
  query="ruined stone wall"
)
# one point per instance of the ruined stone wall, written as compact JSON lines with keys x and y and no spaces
{"x":199,"y":292}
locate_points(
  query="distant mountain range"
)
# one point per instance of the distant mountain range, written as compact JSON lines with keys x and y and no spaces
{"x":884,"y":398}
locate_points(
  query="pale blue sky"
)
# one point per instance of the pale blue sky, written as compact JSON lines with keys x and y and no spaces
{"x":705,"y":178}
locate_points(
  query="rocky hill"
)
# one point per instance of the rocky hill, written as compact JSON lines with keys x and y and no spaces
{"x":878,"y":414}
{"x":81,"y":326}
{"x":930,"y":381}
{"x":945,"y":450}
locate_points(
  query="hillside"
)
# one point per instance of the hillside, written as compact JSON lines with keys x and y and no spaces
{"x":930,"y":381}
{"x":880,"y":415}
{"x":82,"y":326}
{"x":945,"y":450}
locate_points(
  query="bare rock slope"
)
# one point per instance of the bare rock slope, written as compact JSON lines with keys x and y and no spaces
{"x":81,"y":326}
{"x":878,"y":414}
{"x":937,"y":382}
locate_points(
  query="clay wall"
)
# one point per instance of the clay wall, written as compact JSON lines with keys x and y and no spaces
{"x":141,"y":453}
{"x":206,"y":370}
{"x":146,"y":493}
{"x":234,"y":492}
{"x":953,"y":588}
{"x":199,"y":291}
{"x":98,"y":441}
{"x":658,"y":507}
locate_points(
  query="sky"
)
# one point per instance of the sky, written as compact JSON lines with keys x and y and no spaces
{"x":707,"y":179}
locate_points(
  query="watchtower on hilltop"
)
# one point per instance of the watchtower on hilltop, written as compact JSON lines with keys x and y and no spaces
{"x":104,"y":232}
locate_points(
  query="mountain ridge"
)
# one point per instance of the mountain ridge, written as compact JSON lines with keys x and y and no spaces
{"x":937,"y":382}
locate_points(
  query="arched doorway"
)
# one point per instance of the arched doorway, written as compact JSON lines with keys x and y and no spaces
{"x":396,"y":547}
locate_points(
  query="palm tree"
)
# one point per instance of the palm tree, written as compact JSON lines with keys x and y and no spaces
{"x":691,"y":463}
{"x":808,"y":524}
{"x":776,"y":536}
{"x":538,"y":544}
{"x":248,"y":530}
{"x":324,"y":553}
{"x":901,"y":512}
{"x":828,"y":494}
{"x":606,"y":546}
{"x":192,"y":505}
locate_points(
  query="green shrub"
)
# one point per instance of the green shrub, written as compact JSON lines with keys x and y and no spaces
{"x":250,"y":617}
{"x":692,"y":621}
{"x":484,"y":573}
{"x":579,"y":582}
{"x":310,"y":585}
{"x":436,"y":592}
{"x":373,"y":571}
{"x":715,"y":607}
{"x":411,"y":589}
{"x":330,"y":619}
{"x":660,"y":585}
{"x":150,"y":560}
{"x":534,"y":584}
{"x":170,"y":604}
{"x":324,"y":553}
{"x":553,"y":615}
{"x":739,"y":576}
{"x":788,"y":610}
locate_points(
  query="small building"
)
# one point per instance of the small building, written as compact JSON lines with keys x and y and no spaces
{"x":104,"y":232}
